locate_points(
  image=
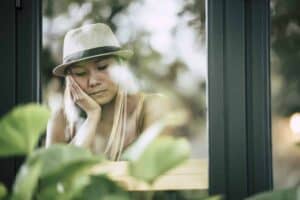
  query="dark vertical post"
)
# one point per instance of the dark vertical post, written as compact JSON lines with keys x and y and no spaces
{"x":227,"y":98}
{"x":258,"y":96}
{"x":239,"y":97}
{"x":216,"y":98}
{"x":28,"y":22}
{"x":7,"y":80}
{"x":28,"y":51}
{"x":20,"y":37}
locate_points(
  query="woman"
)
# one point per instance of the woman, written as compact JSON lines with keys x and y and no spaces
{"x":99,"y":113}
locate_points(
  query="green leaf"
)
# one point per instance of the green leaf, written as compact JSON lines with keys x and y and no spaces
{"x":69,"y":171}
{"x":173,"y":119}
{"x":63,"y":171}
{"x":20,"y":129}
{"x":286,"y":194}
{"x":217,"y":197}
{"x":65,"y":189}
{"x":59,"y":157}
{"x":101,"y":187}
{"x":3,"y":191}
{"x":26,"y":181}
{"x":161,"y":155}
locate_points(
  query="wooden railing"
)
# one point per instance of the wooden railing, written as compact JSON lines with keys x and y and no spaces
{"x":191,"y":175}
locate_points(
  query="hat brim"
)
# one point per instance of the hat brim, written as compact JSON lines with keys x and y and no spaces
{"x":60,"y":69}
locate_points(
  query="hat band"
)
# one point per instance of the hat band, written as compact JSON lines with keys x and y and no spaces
{"x":90,"y":52}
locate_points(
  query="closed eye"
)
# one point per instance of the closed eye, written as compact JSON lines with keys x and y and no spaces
{"x":79,"y":73}
{"x":102,"y":67}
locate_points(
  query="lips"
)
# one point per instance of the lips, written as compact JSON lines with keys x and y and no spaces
{"x":98,"y":92}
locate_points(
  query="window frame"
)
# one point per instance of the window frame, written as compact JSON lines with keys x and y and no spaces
{"x":20,"y":57}
{"x":240,"y":150}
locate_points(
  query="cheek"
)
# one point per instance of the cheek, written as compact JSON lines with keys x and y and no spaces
{"x":105,"y":78}
{"x":112,"y":85}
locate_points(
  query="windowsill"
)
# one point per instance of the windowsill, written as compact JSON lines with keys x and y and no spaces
{"x":191,"y":175}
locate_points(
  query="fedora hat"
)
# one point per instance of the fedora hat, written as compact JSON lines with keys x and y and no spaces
{"x":89,"y":42}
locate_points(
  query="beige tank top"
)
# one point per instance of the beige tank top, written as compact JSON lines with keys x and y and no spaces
{"x":133,"y":129}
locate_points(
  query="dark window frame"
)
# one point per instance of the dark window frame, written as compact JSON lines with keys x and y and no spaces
{"x":20,"y":62}
{"x":239,"y":119}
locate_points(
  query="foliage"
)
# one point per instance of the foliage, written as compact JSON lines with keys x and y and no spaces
{"x":146,"y":168}
{"x":26,"y":181}
{"x":63,"y":171}
{"x":285,"y":44}
{"x":147,"y":151}
{"x":101,"y":187}
{"x":3,"y":191}
{"x":21,"y":138}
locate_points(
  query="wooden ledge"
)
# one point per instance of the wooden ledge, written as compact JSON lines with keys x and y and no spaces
{"x":191,"y":175}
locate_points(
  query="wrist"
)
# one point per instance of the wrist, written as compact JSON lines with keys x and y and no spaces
{"x":95,"y":113}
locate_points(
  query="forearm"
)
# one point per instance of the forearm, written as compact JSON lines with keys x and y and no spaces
{"x":55,"y":129}
{"x":86,"y":132}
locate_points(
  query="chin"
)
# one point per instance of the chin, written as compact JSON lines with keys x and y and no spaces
{"x":104,"y":100}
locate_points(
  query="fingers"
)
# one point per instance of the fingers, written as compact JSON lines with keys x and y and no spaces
{"x":82,"y":99}
{"x":77,"y":95}
{"x":75,"y":86}
{"x":76,"y":92}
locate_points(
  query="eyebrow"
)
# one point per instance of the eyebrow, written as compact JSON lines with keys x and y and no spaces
{"x":76,"y":67}
{"x":103,"y":62}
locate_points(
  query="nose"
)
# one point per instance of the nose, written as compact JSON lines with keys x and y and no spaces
{"x":93,"y":81}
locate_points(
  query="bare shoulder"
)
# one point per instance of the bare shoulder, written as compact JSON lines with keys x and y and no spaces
{"x":156,"y":106}
{"x":158,"y":100}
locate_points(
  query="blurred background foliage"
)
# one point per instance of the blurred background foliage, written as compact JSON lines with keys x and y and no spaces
{"x":168,"y":40}
{"x":285,"y":56}
{"x":285,"y":86}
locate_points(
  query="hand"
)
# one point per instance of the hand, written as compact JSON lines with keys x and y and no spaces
{"x":84,"y":101}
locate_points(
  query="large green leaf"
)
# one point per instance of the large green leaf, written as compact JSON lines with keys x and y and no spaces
{"x":57,"y":168}
{"x":63,"y":170}
{"x":172,"y":119}
{"x":20,"y":129}
{"x":3,"y":191}
{"x":285,"y":194}
{"x":57,"y":158}
{"x":102,"y":188}
{"x":66,"y":189}
{"x":69,"y":171}
{"x":163,"y":154}
{"x":26,"y":181}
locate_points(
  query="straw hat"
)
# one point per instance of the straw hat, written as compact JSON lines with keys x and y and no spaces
{"x":87,"y":42}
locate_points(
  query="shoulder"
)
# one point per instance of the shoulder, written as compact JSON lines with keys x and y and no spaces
{"x":148,"y":101}
{"x":156,"y":101}
{"x":156,"y":106}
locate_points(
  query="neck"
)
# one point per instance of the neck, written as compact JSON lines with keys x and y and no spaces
{"x":108,"y":110}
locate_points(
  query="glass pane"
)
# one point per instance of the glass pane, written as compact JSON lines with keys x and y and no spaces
{"x":285,"y":83}
{"x":165,"y":74}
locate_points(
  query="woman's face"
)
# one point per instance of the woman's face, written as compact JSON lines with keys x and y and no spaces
{"x":93,"y":78}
